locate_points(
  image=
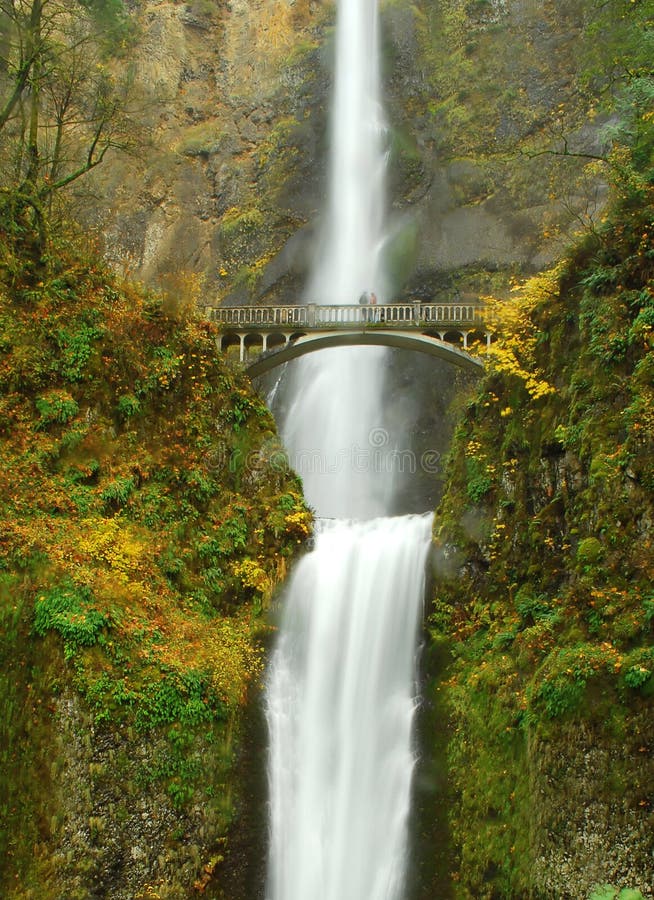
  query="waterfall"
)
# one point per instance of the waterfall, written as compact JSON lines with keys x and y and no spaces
{"x":340,"y":708}
{"x":340,"y":689}
{"x":335,"y":430}
{"x":349,"y":256}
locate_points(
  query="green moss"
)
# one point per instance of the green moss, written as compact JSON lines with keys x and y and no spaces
{"x":200,"y":139}
{"x":548,"y":510}
{"x":240,"y":222}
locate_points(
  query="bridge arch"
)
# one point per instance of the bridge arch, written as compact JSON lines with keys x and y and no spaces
{"x":309,"y":343}
{"x":230,"y":339}
{"x":253,"y":340}
{"x":276,"y":339}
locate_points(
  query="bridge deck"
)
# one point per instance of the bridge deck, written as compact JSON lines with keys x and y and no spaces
{"x":317,"y":317}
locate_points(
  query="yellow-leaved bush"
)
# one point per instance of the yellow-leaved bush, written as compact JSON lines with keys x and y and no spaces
{"x":513,"y":351}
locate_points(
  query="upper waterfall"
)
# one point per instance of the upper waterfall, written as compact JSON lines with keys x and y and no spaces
{"x":349,"y":258}
{"x":334,"y":426}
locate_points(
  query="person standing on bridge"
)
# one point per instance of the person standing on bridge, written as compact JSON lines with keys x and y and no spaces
{"x":363,"y":302}
{"x":373,"y":302}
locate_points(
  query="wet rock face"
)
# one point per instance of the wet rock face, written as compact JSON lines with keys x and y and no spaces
{"x":116,"y":830}
{"x":233,"y":98}
{"x":476,"y":93}
{"x":593,"y":789}
{"x":212,"y":82}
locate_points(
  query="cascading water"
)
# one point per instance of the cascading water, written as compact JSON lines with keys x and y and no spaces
{"x":334,"y":429}
{"x":340,"y":693}
{"x":340,"y":709}
{"x":349,"y":256}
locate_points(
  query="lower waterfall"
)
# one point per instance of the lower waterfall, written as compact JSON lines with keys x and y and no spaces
{"x":340,"y":703}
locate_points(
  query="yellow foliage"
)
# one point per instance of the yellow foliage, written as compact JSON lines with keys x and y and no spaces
{"x":113,"y":542}
{"x":252,"y":575}
{"x":222,"y":647}
{"x":513,"y":354}
{"x":299,"y":522}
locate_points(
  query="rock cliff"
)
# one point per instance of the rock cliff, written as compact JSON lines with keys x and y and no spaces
{"x":232,"y":100}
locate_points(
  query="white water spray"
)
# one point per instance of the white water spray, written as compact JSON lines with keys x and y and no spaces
{"x":340,"y":692}
{"x":340,"y":708}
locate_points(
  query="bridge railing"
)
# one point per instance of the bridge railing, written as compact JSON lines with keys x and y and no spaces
{"x":240,"y":316}
{"x":327,"y":316}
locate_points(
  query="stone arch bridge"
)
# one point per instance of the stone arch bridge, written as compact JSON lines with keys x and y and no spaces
{"x":267,"y":336}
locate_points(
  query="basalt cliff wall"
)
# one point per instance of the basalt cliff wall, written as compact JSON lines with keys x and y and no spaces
{"x":232,"y":105}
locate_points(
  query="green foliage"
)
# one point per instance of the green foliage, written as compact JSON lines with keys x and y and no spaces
{"x":561,"y":695}
{"x":112,"y":21}
{"x":637,"y":676}
{"x":236,"y":222}
{"x":150,"y":565}
{"x":76,"y":349}
{"x":242,"y":406}
{"x":589,"y":552}
{"x":551,"y":612}
{"x":479,"y":480}
{"x":185,"y":698}
{"x":116,"y":493}
{"x":530,"y":607}
{"x":610,"y":892}
{"x":200,"y":139}
{"x":230,"y":536}
{"x":128,"y":405}
{"x":56,"y":407}
{"x":69,"y":610}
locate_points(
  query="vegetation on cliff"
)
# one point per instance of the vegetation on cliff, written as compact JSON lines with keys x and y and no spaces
{"x":544,"y":595}
{"x":146,"y":517}
{"x":502,"y":113}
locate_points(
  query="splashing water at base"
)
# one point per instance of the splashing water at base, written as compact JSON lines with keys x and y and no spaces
{"x":340,"y":706}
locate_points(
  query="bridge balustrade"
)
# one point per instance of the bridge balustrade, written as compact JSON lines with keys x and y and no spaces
{"x":411,"y":315}
{"x":337,"y":315}
{"x":259,"y":315}
{"x":395,"y":313}
{"x":450,"y":313}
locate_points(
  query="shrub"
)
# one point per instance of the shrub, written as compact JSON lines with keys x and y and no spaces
{"x":68,"y":609}
{"x":532,"y":607}
{"x":117,"y":492}
{"x":479,"y":480}
{"x":128,"y":405}
{"x":76,"y":348}
{"x":589,"y":551}
{"x":56,"y":406}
